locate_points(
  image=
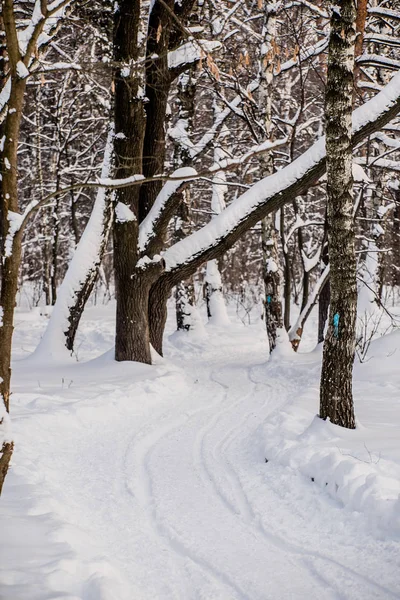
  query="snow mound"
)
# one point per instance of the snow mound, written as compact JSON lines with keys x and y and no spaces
{"x":338,"y":460}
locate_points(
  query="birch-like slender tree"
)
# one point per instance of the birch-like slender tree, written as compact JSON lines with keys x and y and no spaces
{"x":336,"y":395}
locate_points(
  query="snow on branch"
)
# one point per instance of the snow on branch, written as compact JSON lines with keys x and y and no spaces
{"x":191,"y":52}
{"x":379,"y":61}
{"x":179,"y":133}
{"x":148,"y":228}
{"x":176,"y":179}
{"x":385,"y":12}
{"x":41,"y":25}
{"x":271,"y":193}
{"x":36,"y":34}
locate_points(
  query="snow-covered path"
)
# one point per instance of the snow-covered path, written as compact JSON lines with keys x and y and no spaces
{"x":157,"y":483}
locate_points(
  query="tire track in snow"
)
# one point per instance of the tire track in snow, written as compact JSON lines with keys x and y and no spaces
{"x":171,"y":535}
{"x":149,"y":445}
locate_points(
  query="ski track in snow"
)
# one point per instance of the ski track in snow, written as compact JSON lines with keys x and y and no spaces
{"x":222,"y":488}
{"x":178,"y":500}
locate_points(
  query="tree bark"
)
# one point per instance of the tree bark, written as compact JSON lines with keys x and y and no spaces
{"x":10,"y":237}
{"x":324,"y":297}
{"x":82,"y":295}
{"x":184,"y":293}
{"x":269,"y":238}
{"x":272,"y":303}
{"x":158,"y":298}
{"x":132,"y":334}
{"x":158,"y":83}
{"x":5,"y":457}
{"x":336,"y":396}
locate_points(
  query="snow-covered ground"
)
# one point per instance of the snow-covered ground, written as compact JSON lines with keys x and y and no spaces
{"x":151,"y":483}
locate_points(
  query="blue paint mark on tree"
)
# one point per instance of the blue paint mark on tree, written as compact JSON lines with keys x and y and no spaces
{"x":336,"y":324}
{"x":269,"y":299}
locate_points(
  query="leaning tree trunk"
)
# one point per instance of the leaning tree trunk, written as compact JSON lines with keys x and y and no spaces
{"x":323,"y":309}
{"x":336,"y":396}
{"x":82,"y":272}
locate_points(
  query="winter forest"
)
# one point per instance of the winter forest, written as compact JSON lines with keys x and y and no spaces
{"x":199,"y":299}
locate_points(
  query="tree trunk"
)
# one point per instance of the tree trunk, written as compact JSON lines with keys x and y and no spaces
{"x":269,"y":241}
{"x":158,"y":83}
{"x":132,"y":335}
{"x":323,"y":310}
{"x":216,"y":308}
{"x":272,"y":303}
{"x":158,"y":298}
{"x":5,"y":457}
{"x":336,"y":397}
{"x":10,"y":218}
{"x":10,"y":244}
{"x":184,"y":293}
{"x":287,"y":276}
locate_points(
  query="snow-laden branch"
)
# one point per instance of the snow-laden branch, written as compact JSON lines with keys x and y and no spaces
{"x":148,"y":228}
{"x":175,"y":178}
{"x":271,"y":193}
{"x":179,"y":133}
{"x":42,"y":25}
{"x":379,"y":61}
{"x":311,"y":52}
{"x":386,"y":13}
{"x":312,"y":7}
{"x":191,"y":52}
{"x":34,"y":36}
{"x":194,"y":149}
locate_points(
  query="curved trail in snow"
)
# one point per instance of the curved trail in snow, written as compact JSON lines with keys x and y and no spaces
{"x":197,"y":505}
{"x":176,"y":494}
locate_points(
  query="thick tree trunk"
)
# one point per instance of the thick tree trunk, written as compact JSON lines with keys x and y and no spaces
{"x":132,"y":335}
{"x":336,"y":397}
{"x":132,"y":317}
